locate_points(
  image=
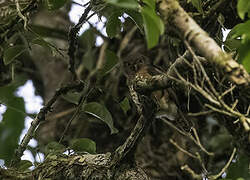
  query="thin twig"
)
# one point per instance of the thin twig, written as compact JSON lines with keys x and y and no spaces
{"x":202,"y":113}
{"x":72,"y":40}
{"x":187,"y":135}
{"x":228,"y":110}
{"x":181,"y":149}
{"x":191,"y":172}
{"x":61,"y":114}
{"x":41,"y":117}
{"x":21,"y":15}
{"x":225,"y":167}
{"x":77,"y":112}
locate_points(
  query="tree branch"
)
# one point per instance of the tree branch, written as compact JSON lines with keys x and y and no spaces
{"x":41,"y":117}
{"x":189,"y":30}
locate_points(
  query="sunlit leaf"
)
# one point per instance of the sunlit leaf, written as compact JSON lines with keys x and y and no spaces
{"x":54,"y":4}
{"x":99,"y":111}
{"x":12,"y":52}
{"x":130,"y":4}
{"x":153,"y":26}
{"x":241,"y":30}
{"x":244,"y":55}
{"x":241,"y":33}
{"x":243,"y":7}
{"x":150,"y":3}
{"x":83,"y":145}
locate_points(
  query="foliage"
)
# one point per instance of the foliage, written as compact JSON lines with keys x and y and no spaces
{"x":12,"y":123}
{"x":99,"y":111}
{"x":153,"y":25}
{"x":105,"y":101}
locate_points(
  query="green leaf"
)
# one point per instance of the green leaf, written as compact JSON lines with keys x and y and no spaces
{"x":129,"y":4}
{"x":24,"y":165}
{"x":43,"y":43}
{"x":198,"y":5}
{"x":99,"y":111}
{"x":153,"y":26}
{"x":48,"y":32}
{"x":88,"y":39}
{"x":83,"y":145}
{"x":54,"y":4}
{"x":125,"y":105}
{"x":232,"y":44}
{"x":12,"y":52}
{"x":113,"y":25}
{"x":241,"y":30}
{"x":111,"y":61}
{"x":47,"y":45}
{"x":12,"y":123}
{"x":136,"y":17}
{"x":72,"y":97}
{"x":243,"y":7}
{"x":150,"y":3}
{"x":89,"y":59}
{"x":244,"y":55}
{"x":54,"y":148}
{"x":239,"y":169}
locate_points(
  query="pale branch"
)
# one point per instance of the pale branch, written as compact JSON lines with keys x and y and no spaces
{"x":188,"y":135}
{"x":191,"y":172}
{"x":146,"y":108}
{"x":210,"y":177}
{"x":244,"y":120}
{"x":24,"y":18}
{"x":225,"y":167}
{"x":181,"y":149}
{"x":189,"y":30}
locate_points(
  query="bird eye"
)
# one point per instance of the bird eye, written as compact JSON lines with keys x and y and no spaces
{"x":126,"y":64}
{"x":140,"y":60}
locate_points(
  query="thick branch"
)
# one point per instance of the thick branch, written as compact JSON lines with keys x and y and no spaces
{"x":189,"y":30}
{"x":153,"y":83}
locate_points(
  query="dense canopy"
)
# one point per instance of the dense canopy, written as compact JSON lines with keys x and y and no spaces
{"x":160,"y":91}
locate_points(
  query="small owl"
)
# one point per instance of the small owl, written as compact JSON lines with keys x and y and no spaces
{"x":138,"y":66}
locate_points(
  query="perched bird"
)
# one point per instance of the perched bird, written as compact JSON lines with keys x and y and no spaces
{"x":138,"y":66}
